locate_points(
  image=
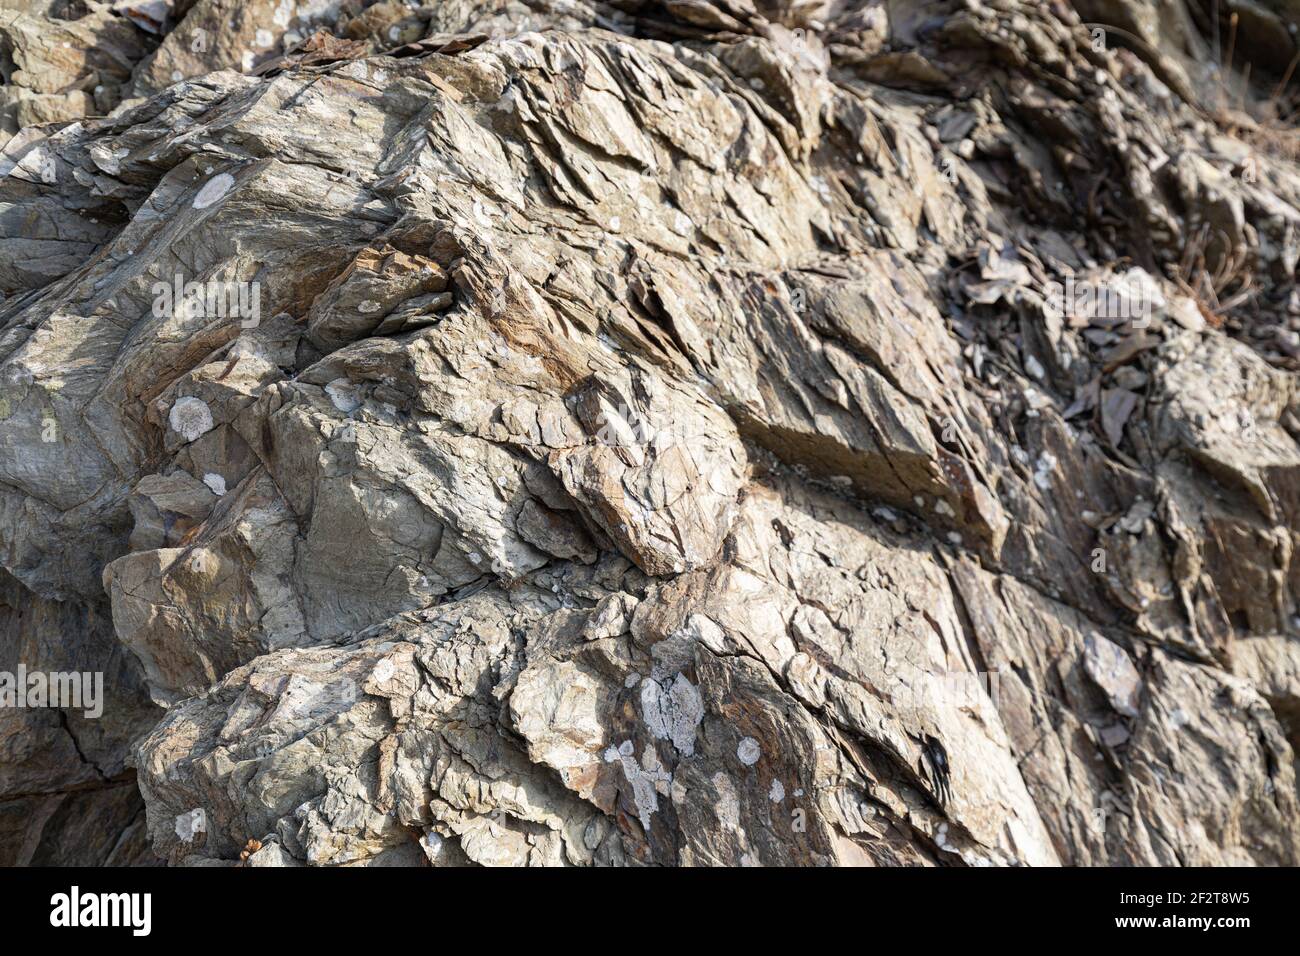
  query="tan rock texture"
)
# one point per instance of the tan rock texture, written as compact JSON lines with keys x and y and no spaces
{"x":651,"y":433}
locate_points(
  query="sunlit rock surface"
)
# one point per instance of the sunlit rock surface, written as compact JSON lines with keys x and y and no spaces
{"x":633,"y":433}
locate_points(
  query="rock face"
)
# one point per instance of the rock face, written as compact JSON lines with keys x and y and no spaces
{"x":635,"y":433}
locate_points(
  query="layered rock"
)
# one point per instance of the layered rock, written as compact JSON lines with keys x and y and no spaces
{"x":652,"y":434}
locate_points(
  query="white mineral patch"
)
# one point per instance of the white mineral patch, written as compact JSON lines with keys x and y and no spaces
{"x":749,"y":751}
{"x":343,"y":395}
{"x":673,"y":712}
{"x":189,"y":825}
{"x":648,"y":779}
{"x":190,"y":418}
{"x":1043,"y":470}
{"x":213,"y":190}
{"x":216,"y":483}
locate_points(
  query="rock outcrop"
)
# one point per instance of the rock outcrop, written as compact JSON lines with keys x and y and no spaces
{"x":705,"y":433}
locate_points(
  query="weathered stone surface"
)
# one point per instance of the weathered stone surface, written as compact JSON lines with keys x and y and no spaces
{"x":649,"y":434}
{"x":62,"y":61}
{"x":67,"y":793}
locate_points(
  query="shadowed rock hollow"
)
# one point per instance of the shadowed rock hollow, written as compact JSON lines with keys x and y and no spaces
{"x":673,"y":433}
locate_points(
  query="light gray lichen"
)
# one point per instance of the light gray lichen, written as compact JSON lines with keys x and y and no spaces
{"x":190,"y":418}
{"x":213,"y":190}
{"x":673,"y":713}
